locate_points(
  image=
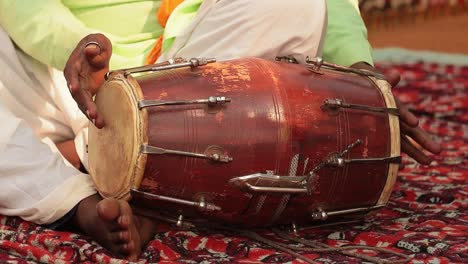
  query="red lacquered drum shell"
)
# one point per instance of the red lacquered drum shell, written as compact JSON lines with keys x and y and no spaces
{"x":275,"y":124}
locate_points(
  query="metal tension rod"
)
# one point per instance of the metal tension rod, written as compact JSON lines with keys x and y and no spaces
{"x":146,"y":149}
{"x":210,"y":101}
{"x":167,"y":65}
{"x":334,"y":104}
{"x":318,"y":62}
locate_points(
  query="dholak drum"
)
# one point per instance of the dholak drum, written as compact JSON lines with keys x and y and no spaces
{"x":248,"y":141}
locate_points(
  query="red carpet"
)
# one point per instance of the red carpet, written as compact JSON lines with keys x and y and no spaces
{"x":426,"y":219}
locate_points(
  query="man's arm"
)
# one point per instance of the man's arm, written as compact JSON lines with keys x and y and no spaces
{"x":346,"y":40}
{"x":346,"y":44}
{"x":47,"y":30}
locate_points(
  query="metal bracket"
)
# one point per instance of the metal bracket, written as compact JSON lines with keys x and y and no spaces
{"x":268,"y":183}
{"x":333,"y":105}
{"x":262,"y":182}
{"x":317,"y":63}
{"x":211,"y":101}
{"x":287,"y":59}
{"x":217,"y":157}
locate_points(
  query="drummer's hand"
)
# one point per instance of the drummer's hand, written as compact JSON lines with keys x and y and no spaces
{"x":414,"y":140}
{"x":84,"y":72}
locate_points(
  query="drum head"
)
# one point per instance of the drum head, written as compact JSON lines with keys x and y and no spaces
{"x":115,"y":162}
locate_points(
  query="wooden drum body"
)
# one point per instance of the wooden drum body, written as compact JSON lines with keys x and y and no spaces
{"x":248,"y":141}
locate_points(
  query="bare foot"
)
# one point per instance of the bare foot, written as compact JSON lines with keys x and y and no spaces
{"x":112,"y":224}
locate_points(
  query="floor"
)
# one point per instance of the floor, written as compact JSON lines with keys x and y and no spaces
{"x":447,"y":33}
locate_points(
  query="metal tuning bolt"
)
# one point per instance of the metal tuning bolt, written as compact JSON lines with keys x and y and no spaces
{"x":338,"y":161}
{"x":316,"y":63}
{"x":204,"y":206}
{"x":331,"y":105}
{"x":218,"y":100}
{"x":319,"y":214}
{"x":217,"y":154}
{"x":220,"y":158}
{"x":333,"y":102}
{"x":180,"y":221}
{"x":294,"y":228}
{"x":195,"y":62}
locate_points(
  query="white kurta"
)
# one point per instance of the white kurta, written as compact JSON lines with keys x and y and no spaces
{"x":36,"y":183}
{"x":37,"y":110}
{"x":229,"y":29}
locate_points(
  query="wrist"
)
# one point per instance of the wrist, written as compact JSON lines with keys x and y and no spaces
{"x":68,"y":151}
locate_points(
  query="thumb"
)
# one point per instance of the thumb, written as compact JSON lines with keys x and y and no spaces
{"x":96,"y":56}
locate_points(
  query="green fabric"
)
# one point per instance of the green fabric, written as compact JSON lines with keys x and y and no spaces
{"x":38,"y":27}
{"x":132,"y":27}
{"x":346,"y":39}
{"x":56,"y":25}
{"x":179,"y":19}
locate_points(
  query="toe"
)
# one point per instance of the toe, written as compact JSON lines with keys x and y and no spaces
{"x":125,"y":220}
{"x":119,"y":237}
{"x":129,"y":250}
{"x":108,"y":209}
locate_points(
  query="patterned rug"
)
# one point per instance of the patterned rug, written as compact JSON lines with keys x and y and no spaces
{"x":426,"y":219}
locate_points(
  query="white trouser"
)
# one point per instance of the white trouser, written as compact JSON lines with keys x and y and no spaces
{"x":36,"y":183}
{"x":228,"y":29}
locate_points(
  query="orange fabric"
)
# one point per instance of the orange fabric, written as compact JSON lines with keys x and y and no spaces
{"x":163,"y":14}
{"x":155,"y":52}
{"x":165,"y":10}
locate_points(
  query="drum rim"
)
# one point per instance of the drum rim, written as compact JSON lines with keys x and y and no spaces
{"x":136,"y":168}
{"x":142,"y":136}
{"x":394,"y":125}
